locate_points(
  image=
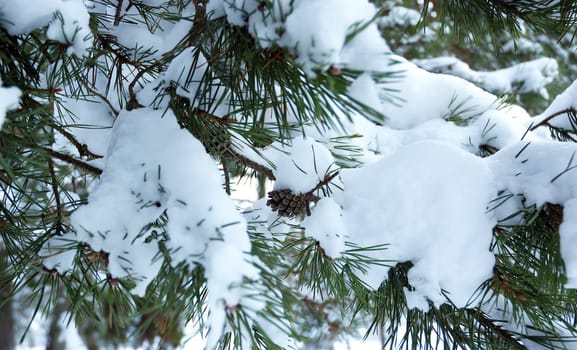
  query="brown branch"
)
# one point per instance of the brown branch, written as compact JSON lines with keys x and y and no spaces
{"x":61,"y":156}
{"x":213,"y":118}
{"x":226,"y":177}
{"x":83,"y":150}
{"x":117,"y":16}
{"x":133,"y":102}
{"x":488,"y":323}
{"x":249,"y":163}
{"x":101,"y":96}
{"x":71,"y":160}
{"x":325,"y":181}
{"x":545,"y":121}
{"x":122,"y":56}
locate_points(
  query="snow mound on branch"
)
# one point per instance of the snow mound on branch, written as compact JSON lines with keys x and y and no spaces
{"x":326,"y":225}
{"x":345,"y":37}
{"x":429,"y":203}
{"x":543,"y":171}
{"x":67,"y":20}
{"x":429,"y":96}
{"x":157,"y":40}
{"x":531,"y":76}
{"x":154,"y":168}
{"x":301,"y":165}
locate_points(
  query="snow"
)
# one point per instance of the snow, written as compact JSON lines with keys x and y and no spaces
{"x":432,"y":97}
{"x":531,"y":76}
{"x":529,"y":168}
{"x":499,"y":128}
{"x":365,"y":90}
{"x":400,"y":16}
{"x":568,"y":237}
{"x":67,"y":21}
{"x":300,"y":166}
{"x":415,"y":204}
{"x":327,"y":226}
{"x":9,"y":99}
{"x":23,"y":17}
{"x":158,"y":38}
{"x":522,"y":46}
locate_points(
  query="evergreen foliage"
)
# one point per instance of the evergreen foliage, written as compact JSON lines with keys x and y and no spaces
{"x":270,"y":98}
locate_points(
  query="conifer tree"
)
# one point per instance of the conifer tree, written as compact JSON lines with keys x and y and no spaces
{"x":396,"y":203}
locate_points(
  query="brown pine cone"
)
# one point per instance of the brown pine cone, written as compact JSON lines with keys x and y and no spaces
{"x":554,"y":215}
{"x":288,"y":204}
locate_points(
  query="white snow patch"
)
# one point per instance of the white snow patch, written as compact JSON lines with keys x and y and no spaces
{"x":531,"y":76}
{"x":301,"y":165}
{"x":428,"y":201}
{"x":542,"y":171}
{"x":67,"y":21}
{"x":9,"y":99}
{"x":326,"y":225}
{"x":568,"y":236}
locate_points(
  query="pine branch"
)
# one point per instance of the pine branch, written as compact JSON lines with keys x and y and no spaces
{"x":133,"y":102}
{"x":117,"y":16}
{"x":71,"y":160}
{"x":213,"y":118}
{"x":226,"y":178}
{"x":56,"y":192}
{"x":489,"y":324}
{"x":83,"y":150}
{"x":100,"y":96}
{"x":561,"y":133}
{"x":472,"y":18}
{"x":570,"y":111}
{"x":107,"y":43}
{"x":231,"y":154}
{"x":325,"y":181}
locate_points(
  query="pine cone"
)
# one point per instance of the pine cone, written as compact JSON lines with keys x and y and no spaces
{"x":554,"y":215}
{"x":288,"y":204}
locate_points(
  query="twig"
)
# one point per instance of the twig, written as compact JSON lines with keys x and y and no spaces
{"x":82,"y":148}
{"x":61,"y":156}
{"x":101,"y":96}
{"x":117,"y":14}
{"x":59,"y":208}
{"x":133,"y":102}
{"x":545,"y":121}
{"x":213,"y":118}
{"x":226,"y":177}
{"x":71,"y":160}
{"x":482,"y":318}
{"x":233,"y":155}
{"x":328,"y":178}
{"x":120,"y":54}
